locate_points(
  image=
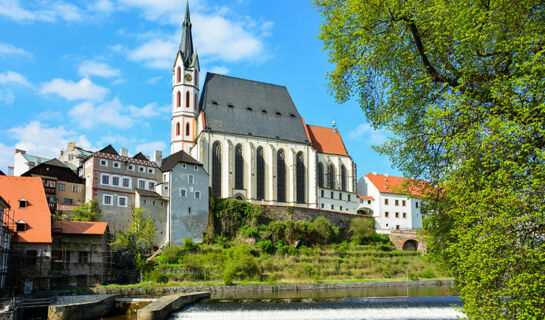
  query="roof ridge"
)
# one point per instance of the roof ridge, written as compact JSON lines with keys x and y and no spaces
{"x":238,"y":78}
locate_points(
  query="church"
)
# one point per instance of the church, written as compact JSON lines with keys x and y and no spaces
{"x":253,"y":142}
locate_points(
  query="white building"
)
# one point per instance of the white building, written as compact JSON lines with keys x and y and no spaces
{"x":253,"y":142}
{"x":391,"y":200}
{"x":22,"y":162}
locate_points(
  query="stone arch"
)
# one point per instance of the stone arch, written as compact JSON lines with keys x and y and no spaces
{"x":410,"y":245}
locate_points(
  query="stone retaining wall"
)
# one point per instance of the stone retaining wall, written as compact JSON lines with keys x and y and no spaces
{"x":281,"y":287}
{"x":81,"y":307}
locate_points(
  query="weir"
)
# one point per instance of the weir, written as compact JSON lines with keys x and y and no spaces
{"x":162,"y":308}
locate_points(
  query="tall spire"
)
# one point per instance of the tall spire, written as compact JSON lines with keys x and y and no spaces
{"x":186,"y":44}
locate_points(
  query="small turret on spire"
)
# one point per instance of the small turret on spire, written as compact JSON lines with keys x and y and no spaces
{"x":186,"y":44}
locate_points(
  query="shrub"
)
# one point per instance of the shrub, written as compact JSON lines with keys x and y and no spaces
{"x":266,"y":246}
{"x":250,"y":232}
{"x":221,"y":240}
{"x":189,"y":245}
{"x":427,"y":273}
{"x":170,"y":255}
{"x":241,"y":264}
{"x":361,"y":228}
{"x":156,"y":276}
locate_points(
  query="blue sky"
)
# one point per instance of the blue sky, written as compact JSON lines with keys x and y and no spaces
{"x":61,"y":61}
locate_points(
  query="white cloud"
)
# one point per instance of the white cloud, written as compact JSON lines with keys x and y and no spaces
{"x":10,"y":77}
{"x":6,"y":157}
{"x":85,"y":89}
{"x":102,"y":6}
{"x":38,"y":139}
{"x":149,"y":147}
{"x":112,"y":113}
{"x":370,"y":135}
{"x":99,"y":69}
{"x":48,"y":11}
{"x":155,"y":53}
{"x":9,"y":49}
{"x":220,"y":70}
{"x":154,"y":80}
{"x":7,"y":96}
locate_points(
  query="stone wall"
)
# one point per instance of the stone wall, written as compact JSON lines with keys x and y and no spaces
{"x":81,"y":307}
{"x":407,"y":240}
{"x":282,"y":213}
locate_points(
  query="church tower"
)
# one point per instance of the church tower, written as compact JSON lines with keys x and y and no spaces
{"x":185,"y":92}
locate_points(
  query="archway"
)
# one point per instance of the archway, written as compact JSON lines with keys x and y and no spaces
{"x":410,"y":245}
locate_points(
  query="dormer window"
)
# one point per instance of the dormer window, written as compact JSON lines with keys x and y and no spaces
{"x":214,"y":102}
{"x":278,"y":113}
{"x":23,"y":203}
{"x":21,"y":226}
{"x":264,"y":111}
{"x":249,"y":109}
{"x":292,"y":115}
{"x":230,"y":105}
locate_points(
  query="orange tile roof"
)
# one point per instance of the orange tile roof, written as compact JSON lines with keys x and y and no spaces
{"x":36,"y":215}
{"x":365,"y":197}
{"x":326,"y":140}
{"x":79,"y":227}
{"x":397,"y":185}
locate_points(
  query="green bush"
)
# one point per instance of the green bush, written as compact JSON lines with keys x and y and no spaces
{"x":427,"y":273}
{"x":221,"y":240}
{"x":241,"y":264}
{"x":155,"y":276}
{"x":189,"y":245}
{"x":267,"y":246}
{"x":362,"y":228}
{"x":170,"y":255}
{"x":324,"y":231}
{"x":250,"y":232}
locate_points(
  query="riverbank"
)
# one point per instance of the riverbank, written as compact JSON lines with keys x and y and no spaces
{"x":133,"y":291}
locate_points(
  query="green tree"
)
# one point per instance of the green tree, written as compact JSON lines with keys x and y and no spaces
{"x":86,"y":212}
{"x":361,"y":228}
{"x":461,"y":86}
{"x":138,"y":239}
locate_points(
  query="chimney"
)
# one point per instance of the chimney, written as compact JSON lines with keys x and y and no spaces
{"x":124,"y":152}
{"x":36,"y":161}
{"x":158,"y":157}
{"x":10,"y":170}
{"x":386,"y":175}
{"x":375,"y":173}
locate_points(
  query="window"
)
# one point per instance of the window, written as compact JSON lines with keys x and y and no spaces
{"x":153,"y":203}
{"x":197,"y":194}
{"x":183,"y":193}
{"x":105,"y":179}
{"x":103,"y":163}
{"x":343,"y":178}
{"x":141,"y":184}
{"x":403,"y":203}
{"x":260,"y":172}
{"x":21,"y":226}
{"x":122,"y":201}
{"x":187,"y":129}
{"x":331,"y":176}
{"x":190,"y":179}
{"x":196,"y":168}
{"x":151,"y":185}
{"x":322,"y":193}
{"x":196,"y":78}
{"x":397,"y":202}
{"x":341,"y":208}
{"x":386,"y":201}
{"x":332,"y":207}
{"x":115,"y":181}
{"x":31,"y":257}
{"x":177,"y":129}
{"x":216,"y":169}
{"x":141,"y":169}
{"x":116,"y":164}
{"x":130,"y":167}
{"x":52,"y":184}
{"x":178,"y":99}
{"x":187,"y":99}
{"x":183,"y":165}
{"x":162,"y":204}
{"x":83,"y":257}
{"x":196,"y":101}
{"x":397,"y":214}
{"x":151,"y":170}
{"x":145,"y":201}
{"x":368,"y":201}
{"x":416,"y":203}
{"x":300,"y":177}
{"x":361,"y":201}
{"x":332,"y":194}
{"x":239,"y":168}
{"x":397,"y":227}
{"x":179,"y":75}
{"x":75,"y":188}
{"x":126,"y":182}
{"x":386,"y":214}
{"x":320,"y":175}
{"x":322,"y":205}
{"x":348,"y":197}
{"x":404,"y":214}
{"x":280,"y":176}
{"x":189,"y":210}
{"x":67,"y":201}
{"x":62,"y":187}
{"x":340,"y":196}
{"x":107,"y":199}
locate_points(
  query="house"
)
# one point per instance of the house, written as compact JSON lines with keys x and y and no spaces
{"x":114,"y":179}
{"x":394,"y":202}
{"x":31,"y":253}
{"x":6,"y":235}
{"x":74,"y":156}
{"x":187,"y":190}
{"x":64,"y":189}
{"x":22,"y":162}
{"x":81,"y":255}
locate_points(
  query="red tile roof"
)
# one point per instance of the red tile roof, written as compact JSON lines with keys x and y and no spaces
{"x":397,"y":185}
{"x":79,"y":227}
{"x":36,"y":215}
{"x":326,"y":140}
{"x":365,"y":197}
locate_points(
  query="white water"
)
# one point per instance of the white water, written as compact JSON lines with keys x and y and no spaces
{"x":439,"y":308}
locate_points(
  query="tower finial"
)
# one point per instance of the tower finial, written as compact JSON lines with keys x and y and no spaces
{"x":186,"y":44}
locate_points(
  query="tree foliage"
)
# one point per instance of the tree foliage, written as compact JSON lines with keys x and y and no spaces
{"x":461,"y":85}
{"x":87,"y":212}
{"x":362,"y":228}
{"x":139,"y":238}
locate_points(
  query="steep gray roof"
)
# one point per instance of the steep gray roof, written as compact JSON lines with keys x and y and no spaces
{"x":186,"y":43}
{"x":170,"y":162}
{"x":245,"y":107}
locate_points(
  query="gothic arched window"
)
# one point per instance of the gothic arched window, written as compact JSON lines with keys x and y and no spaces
{"x":239,"y":168}
{"x":196,"y":78}
{"x":178,"y":99}
{"x":260,"y":174}
{"x":331,"y":176}
{"x":196,"y":101}
{"x":187,"y":129}
{"x":179,"y":75}
{"x":281,"y":176}
{"x":300,"y":177}
{"x":320,"y":174}
{"x":177,"y":129}
{"x":216,"y":169}
{"x":187,"y":99}
{"x":343,"y":178}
